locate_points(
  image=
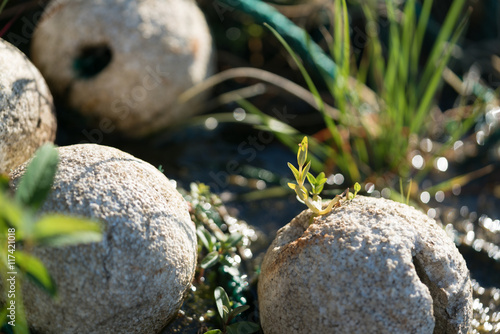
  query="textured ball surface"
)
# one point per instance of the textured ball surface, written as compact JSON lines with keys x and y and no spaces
{"x":124,"y":62}
{"x":27,"y":118}
{"x":370,"y":266}
{"x":133,"y":281}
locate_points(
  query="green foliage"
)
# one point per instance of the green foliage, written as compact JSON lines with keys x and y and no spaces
{"x":218,"y":245}
{"x":223,"y":242}
{"x":21,"y":229}
{"x":373,"y":130}
{"x":357,"y":188}
{"x":37,"y":181}
{"x":227,"y":314}
{"x":312,"y":198}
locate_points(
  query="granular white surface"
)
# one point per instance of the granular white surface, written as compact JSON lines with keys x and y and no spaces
{"x":370,"y":266}
{"x":159,"y":49}
{"x":135,"y":279}
{"x":27,"y":118}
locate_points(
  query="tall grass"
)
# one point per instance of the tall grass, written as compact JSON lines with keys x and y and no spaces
{"x":376,"y":128}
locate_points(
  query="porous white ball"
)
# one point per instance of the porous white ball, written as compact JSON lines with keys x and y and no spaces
{"x":133,"y":281}
{"x":124,"y":62}
{"x":27,"y":118}
{"x":370,"y":266}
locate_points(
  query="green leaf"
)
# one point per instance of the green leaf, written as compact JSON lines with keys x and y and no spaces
{"x":243,"y":327}
{"x":56,"y":225}
{"x":238,"y":310}
{"x":71,"y":239}
{"x":37,"y":181}
{"x":305,"y":171}
{"x":35,"y":271}
{"x":59,"y":230}
{"x":214,"y":331}
{"x":321,"y":182}
{"x":292,"y":185}
{"x":222,"y":302}
{"x":295,"y":172}
{"x":321,"y":179}
{"x":210,"y":260}
{"x":357,"y":188}
{"x":233,"y":240}
{"x":205,"y":238}
{"x":311,"y":179}
{"x":302,"y":152}
{"x":11,"y":214}
{"x":221,"y":236}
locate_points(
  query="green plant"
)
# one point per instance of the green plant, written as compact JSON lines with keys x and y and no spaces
{"x":220,"y":242}
{"x":227,"y":314}
{"x":372,"y":132}
{"x":404,"y":96}
{"x":219,"y":246}
{"x":312,"y":198}
{"x":22,"y":228}
{"x":229,"y":241}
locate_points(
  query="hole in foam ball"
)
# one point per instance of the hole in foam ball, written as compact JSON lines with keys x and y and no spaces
{"x":91,"y":61}
{"x":439,"y":299}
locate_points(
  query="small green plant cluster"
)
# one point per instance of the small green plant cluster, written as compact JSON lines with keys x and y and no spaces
{"x":312,"y":198}
{"x":223,"y":242}
{"x":220,"y":241}
{"x":227,"y":313}
{"x":21,"y":229}
{"x":218,"y":245}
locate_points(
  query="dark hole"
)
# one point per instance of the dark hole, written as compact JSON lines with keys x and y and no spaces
{"x":91,"y":61}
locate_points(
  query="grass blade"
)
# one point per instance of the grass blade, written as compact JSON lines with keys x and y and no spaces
{"x":444,"y":34}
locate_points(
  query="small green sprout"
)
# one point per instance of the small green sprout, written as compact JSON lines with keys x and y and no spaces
{"x":228,"y":313}
{"x":357,"y":188}
{"x":312,"y":198}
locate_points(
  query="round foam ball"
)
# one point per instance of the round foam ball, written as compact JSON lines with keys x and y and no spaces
{"x":27,"y":118}
{"x":133,"y":281}
{"x":370,"y":266}
{"x":124,"y":62}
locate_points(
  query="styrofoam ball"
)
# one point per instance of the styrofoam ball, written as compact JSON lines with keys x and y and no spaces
{"x":124,"y":62}
{"x":27,"y":118}
{"x":134,"y":281}
{"x":370,"y":266}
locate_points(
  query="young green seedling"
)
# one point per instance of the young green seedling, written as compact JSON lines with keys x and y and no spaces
{"x":228,"y":313}
{"x":312,"y":198}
